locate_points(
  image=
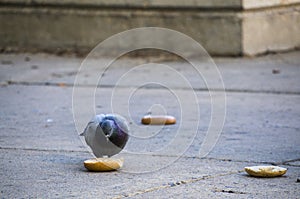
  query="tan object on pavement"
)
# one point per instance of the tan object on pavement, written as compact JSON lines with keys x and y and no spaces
{"x":103,"y":164}
{"x":158,"y":120}
{"x":265,"y":171}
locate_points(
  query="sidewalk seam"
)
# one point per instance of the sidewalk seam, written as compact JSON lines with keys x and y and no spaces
{"x":176,"y":183}
{"x":183,"y":156}
{"x":228,"y":90}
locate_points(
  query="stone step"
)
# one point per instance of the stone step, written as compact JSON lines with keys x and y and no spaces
{"x":226,"y":28}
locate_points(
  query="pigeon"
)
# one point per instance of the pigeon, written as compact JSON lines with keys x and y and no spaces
{"x":106,"y":134}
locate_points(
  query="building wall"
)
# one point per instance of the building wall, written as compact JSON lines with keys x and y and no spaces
{"x":232,"y":27}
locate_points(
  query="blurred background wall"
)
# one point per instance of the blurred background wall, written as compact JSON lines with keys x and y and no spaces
{"x":222,"y":27}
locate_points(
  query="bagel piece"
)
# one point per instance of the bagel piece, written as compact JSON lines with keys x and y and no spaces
{"x":158,"y":120}
{"x":265,"y":171}
{"x":103,"y":164}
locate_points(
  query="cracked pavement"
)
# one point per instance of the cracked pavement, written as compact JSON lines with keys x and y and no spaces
{"x":42,"y":155}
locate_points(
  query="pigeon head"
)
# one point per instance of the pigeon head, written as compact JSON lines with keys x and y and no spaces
{"x":108,"y":127}
{"x":115,"y":129}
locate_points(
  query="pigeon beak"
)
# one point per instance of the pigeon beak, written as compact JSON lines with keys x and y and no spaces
{"x":110,"y":133}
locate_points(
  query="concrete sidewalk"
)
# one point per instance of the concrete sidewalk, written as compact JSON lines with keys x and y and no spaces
{"x":42,"y":155}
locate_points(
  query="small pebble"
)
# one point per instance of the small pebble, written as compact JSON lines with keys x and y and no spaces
{"x":34,"y":67}
{"x":27,"y":58}
{"x":275,"y":71}
{"x":6,"y":62}
{"x":61,"y":84}
{"x":49,"y":120}
{"x":4,"y":83}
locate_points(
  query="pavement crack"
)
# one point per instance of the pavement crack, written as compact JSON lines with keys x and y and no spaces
{"x":229,"y":191}
{"x":55,"y":84}
{"x":287,"y":162}
{"x":43,"y":150}
{"x":293,"y":160}
{"x":226,"y":90}
{"x":246,"y":161}
{"x":290,"y":162}
{"x":174,"y":184}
